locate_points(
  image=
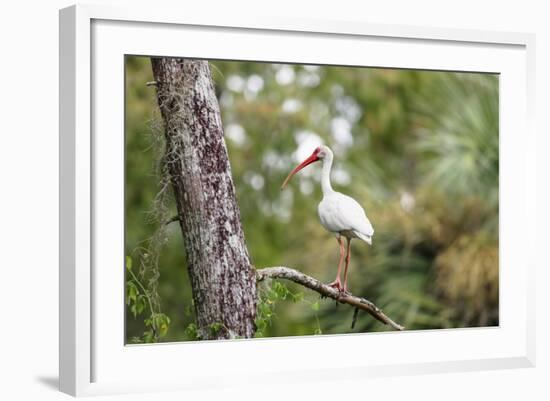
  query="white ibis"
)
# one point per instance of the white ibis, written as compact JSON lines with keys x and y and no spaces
{"x":339,"y":213}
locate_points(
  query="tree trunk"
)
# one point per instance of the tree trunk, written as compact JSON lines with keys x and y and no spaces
{"x":222,"y":279}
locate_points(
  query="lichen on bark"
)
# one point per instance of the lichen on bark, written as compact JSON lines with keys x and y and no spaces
{"x":222,"y":278}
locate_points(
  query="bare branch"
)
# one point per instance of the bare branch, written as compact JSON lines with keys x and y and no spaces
{"x":172,"y":219}
{"x":282,"y":272}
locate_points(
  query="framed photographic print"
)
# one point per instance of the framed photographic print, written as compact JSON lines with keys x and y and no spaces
{"x":238,"y":194}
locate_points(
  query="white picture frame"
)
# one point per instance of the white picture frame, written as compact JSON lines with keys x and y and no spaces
{"x":93,"y":357}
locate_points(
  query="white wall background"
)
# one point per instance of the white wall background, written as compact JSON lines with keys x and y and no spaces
{"x":29,"y":197}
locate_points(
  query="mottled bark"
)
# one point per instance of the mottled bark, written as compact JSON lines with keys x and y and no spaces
{"x":222,"y":279}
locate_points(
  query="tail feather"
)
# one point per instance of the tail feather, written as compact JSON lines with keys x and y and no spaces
{"x":366,"y":238}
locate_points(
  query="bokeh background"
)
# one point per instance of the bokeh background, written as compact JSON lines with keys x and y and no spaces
{"x":418,"y":149}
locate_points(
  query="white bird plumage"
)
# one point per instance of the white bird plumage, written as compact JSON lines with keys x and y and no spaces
{"x":339,"y":213}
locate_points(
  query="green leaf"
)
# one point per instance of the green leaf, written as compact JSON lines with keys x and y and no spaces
{"x":315,"y":306}
{"x":148,"y":336}
{"x":299,"y":296}
{"x":191,"y":332}
{"x":261,"y":325}
{"x":280,"y":290}
{"x":131,"y":292}
{"x":133,"y":309}
{"x":264,"y":309}
{"x":215,"y":328}
{"x":141,"y":302}
{"x":135,"y":340}
{"x":129,"y":262}
{"x":162,"y":322}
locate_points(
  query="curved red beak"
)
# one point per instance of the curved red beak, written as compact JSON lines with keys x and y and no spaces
{"x":311,"y":159}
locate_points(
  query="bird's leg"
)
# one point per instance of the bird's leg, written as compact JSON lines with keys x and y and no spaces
{"x":337,"y":283}
{"x":348,"y":252}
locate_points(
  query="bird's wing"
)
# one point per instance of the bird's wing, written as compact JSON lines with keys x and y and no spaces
{"x":353,"y":216}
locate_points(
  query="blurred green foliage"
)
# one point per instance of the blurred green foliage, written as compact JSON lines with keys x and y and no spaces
{"x":418,"y":149}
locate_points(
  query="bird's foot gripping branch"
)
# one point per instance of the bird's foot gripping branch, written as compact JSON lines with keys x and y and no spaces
{"x":286,"y":273}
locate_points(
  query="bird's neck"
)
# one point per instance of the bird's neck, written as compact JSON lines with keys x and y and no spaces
{"x":325,"y":178}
